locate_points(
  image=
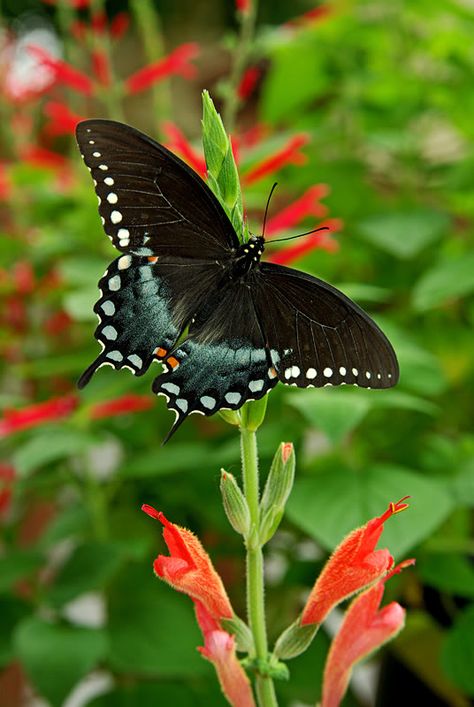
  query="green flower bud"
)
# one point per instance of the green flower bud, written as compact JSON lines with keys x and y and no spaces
{"x":241,"y":632}
{"x":235,"y":504}
{"x":253,"y":413}
{"x":232,"y":417}
{"x":294,"y":640}
{"x":277,"y":489}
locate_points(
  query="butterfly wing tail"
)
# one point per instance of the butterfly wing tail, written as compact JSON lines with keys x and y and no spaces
{"x":89,"y":372}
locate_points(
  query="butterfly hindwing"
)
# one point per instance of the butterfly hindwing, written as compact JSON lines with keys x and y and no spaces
{"x":150,"y":201}
{"x":144,"y":305}
{"x":224,"y":361}
{"x":319,"y":336}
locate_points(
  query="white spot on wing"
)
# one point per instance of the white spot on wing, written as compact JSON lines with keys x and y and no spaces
{"x":115,"y":283}
{"x":109,"y":181}
{"x":327,"y":372}
{"x":311,"y":373}
{"x":110,"y":332}
{"x":96,"y":154}
{"x":112,"y":198}
{"x":103,"y":167}
{"x":233,"y":398}
{"x":116,"y":216}
{"x":208,"y":402}
{"x":135,"y":360}
{"x":182,"y":404}
{"x":342,"y":371}
{"x":108,"y":307}
{"x":171,"y":388}
{"x":115,"y":356}
{"x":124,"y":262}
{"x":256,"y":385}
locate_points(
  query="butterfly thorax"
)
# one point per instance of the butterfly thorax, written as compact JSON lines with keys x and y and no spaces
{"x":247,"y":256}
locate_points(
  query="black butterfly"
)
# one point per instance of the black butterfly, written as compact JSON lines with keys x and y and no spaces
{"x":250,"y":323}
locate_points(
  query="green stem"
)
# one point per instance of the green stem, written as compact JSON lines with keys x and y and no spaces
{"x":255,"y":581}
{"x":242,"y":51}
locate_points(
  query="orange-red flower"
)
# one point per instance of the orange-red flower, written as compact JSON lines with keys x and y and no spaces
{"x":219,"y":649}
{"x":119,"y":406}
{"x":288,"y":154}
{"x":37,"y":414}
{"x":354,"y":565}
{"x":189,"y":569}
{"x":248,"y":82}
{"x":177,"y":62}
{"x":321,"y":240}
{"x":62,"y":120}
{"x":364,"y":629}
{"x":7,"y":477}
{"x":63,"y":72}
{"x":178,"y":142}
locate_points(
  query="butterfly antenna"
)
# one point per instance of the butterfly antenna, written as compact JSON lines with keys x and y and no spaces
{"x":266,"y":208}
{"x":290,"y":238}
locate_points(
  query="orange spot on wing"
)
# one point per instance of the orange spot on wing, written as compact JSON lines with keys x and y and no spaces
{"x":173,"y":362}
{"x":160,"y":353}
{"x":152,"y":258}
{"x":272,"y":372}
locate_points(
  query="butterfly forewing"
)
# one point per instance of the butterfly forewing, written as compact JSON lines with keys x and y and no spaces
{"x":150,"y":201}
{"x":318,"y":335}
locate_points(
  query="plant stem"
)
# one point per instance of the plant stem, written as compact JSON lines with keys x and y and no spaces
{"x":255,"y":581}
{"x":242,"y":50}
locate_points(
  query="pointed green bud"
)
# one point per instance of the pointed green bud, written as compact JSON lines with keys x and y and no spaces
{"x":277,"y":489}
{"x":239,"y":629}
{"x":222,"y":174}
{"x":253,"y":413}
{"x":232,"y":417}
{"x":235,"y":504}
{"x":294,"y":640}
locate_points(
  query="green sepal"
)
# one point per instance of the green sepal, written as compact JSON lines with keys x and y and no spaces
{"x":277,"y":489}
{"x":271,"y":668}
{"x":241,"y":632}
{"x":294,"y":640}
{"x":232,"y":417}
{"x":235,"y":504}
{"x":222,"y":174}
{"x":252,"y":414}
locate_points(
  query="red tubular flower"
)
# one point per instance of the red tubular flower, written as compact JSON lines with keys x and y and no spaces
{"x":243,"y":6}
{"x":289,"y":154}
{"x":219,"y":649}
{"x":37,"y":414}
{"x":364,"y":629}
{"x":101,"y":67}
{"x":248,"y":82}
{"x":178,"y":62}
{"x":321,"y":240}
{"x":178,"y":143}
{"x":63,"y":72}
{"x":77,"y":4}
{"x":24,"y":277}
{"x":311,"y":17}
{"x":7,"y":477}
{"x":353,"y":565}
{"x":121,"y":406}
{"x":189,"y":568}
{"x":119,"y":25}
{"x":42,"y":157}
{"x":306,"y":205}
{"x":62,"y":121}
{"x":5,"y":187}
{"x":57,"y":323}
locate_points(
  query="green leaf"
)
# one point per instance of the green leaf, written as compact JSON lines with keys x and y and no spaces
{"x":223,"y":176}
{"x":457,"y":656}
{"x":89,"y":568}
{"x":56,"y":657}
{"x":49,"y":446}
{"x":18,"y":564}
{"x":153,"y":694}
{"x":336,"y":415}
{"x":79,"y":304}
{"x":331,"y":504}
{"x":152,"y":628}
{"x":404,"y":233}
{"x":448,"y":573}
{"x":12,"y":611}
{"x":446,"y":281}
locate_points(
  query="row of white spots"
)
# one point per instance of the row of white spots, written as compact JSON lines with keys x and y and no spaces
{"x":311,"y":373}
{"x":115,"y":283}
{"x":123,"y":236}
{"x":124,"y":262}
{"x":116,"y":216}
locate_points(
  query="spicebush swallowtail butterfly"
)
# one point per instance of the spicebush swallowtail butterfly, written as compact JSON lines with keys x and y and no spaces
{"x":249,"y":323}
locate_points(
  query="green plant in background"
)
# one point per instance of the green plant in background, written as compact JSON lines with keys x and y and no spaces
{"x":369,"y":95}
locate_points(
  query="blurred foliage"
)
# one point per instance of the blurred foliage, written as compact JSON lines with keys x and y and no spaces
{"x":384,"y":91}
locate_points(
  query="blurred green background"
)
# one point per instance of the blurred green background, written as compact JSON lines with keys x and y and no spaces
{"x":383,"y":93}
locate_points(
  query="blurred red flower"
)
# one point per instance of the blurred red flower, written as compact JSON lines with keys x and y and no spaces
{"x":353,"y":565}
{"x":37,"y":414}
{"x":77,"y":4}
{"x":63,"y":72}
{"x":322,"y":240}
{"x":7,"y":478}
{"x":177,"y":62}
{"x":364,"y":629}
{"x":289,"y":154}
{"x":120,"y":406}
{"x":178,"y":142}
{"x":248,"y":82}
{"x":189,"y":569}
{"x":62,"y":120}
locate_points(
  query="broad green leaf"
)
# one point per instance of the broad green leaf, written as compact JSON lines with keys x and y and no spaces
{"x":448,"y":573}
{"x":82,"y":270}
{"x":153,"y":631}
{"x":49,"y":445}
{"x":458,"y":651}
{"x":404,"y":233}
{"x":16,"y":565}
{"x":331,"y":504}
{"x":167,"y":460}
{"x":12,"y":611}
{"x":196,"y":692}
{"x":364,"y":292}
{"x":336,"y":415}
{"x":57,"y":656}
{"x":463,"y":485}
{"x":79,"y":304}
{"x":72,"y":521}
{"x":90,"y":567}
{"x":446,"y":281}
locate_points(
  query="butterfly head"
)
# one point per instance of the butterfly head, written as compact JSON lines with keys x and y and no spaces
{"x":248,"y":255}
